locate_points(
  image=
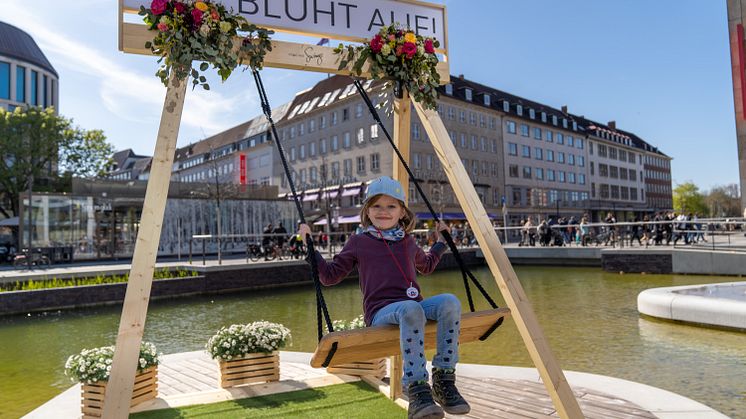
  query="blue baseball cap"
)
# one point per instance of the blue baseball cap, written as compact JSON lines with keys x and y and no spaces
{"x":385,"y":185}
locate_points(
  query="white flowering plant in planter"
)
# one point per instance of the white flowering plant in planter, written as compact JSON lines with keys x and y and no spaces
{"x":238,"y":340}
{"x":356,"y":323}
{"x":92,"y":365}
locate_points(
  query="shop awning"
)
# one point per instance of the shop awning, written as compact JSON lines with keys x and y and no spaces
{"x":311,"y":197}
{"x":450,"y":216}
{"x":351,"y":192}
{"x":352,"y":219}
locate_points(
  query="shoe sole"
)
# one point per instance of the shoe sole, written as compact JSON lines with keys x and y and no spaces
{"x":461,"y":409}
{"x":430,"y":412}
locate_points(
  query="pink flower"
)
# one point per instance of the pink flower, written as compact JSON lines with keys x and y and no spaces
{"x":162,"y":27}
{"x":179,"y":7}
{"x":158,"y":6}
{"x":429,"y":48}
{"x":410,"y":49}
{"x":196,"y":17}
{"x":392,"y":38}
{"x":376,"y":44}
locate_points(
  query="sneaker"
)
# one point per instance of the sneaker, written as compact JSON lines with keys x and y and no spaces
{"x":446,"y":393}
{"x":421,"y":405}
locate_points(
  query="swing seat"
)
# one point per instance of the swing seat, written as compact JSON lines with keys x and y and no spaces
{"x":381,"y":341}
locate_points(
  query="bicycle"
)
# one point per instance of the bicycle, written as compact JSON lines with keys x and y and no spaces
{"x":34,"y":258}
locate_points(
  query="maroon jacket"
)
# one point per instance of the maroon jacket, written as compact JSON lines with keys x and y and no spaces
{"x":381,"y":281}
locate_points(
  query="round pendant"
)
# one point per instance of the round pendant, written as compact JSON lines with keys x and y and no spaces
{"x":412,"y":292}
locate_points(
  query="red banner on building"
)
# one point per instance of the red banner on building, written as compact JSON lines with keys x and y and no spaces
{"x":242,"y":166}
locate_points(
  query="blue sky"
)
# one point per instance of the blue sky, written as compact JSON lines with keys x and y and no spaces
{"x":660,"y":69}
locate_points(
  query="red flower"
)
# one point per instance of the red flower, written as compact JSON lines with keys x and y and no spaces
{"x":376,"y":44}
{"x":215,"y":15}
{"x":398,"y":50}
{"x":158,"y":6}
{"x":429,"y":48}
{"x":179,"y":7}
{"x":196,"y":17}
{"x":410,"y":49}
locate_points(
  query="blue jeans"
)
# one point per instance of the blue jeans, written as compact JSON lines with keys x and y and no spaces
{"x":411,"y":317}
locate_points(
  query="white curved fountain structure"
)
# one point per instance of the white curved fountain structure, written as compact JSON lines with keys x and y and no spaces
{"x":722,"y":305}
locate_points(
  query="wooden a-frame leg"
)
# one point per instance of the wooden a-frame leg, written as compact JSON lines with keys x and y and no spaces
{"x":554,"y":379}
{"x":402,"y":125}
{"x":134,"y":312}
{"x":395,"y":375}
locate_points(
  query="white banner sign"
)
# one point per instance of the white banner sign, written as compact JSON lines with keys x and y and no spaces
{"x":354,"y":20}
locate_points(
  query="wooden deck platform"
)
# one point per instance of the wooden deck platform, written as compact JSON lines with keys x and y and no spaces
{"x":192,"y":378}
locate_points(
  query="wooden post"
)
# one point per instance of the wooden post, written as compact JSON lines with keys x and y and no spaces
{"x":395,"y":372}
{"x":402,"y":125}
{"x":134,"y":312}
{"x":505,"y":277}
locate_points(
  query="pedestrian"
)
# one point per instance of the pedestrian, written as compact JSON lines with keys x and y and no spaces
{"x":387,"y":260}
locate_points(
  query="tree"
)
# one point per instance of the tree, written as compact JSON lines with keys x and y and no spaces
{"x":35,"y":143}
{"x":724,"y":201}
{"x":687,"y":198}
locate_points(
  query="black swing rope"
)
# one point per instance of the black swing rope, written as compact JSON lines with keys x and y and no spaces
{"x":465,"y":272}
{"x":320,"y":303}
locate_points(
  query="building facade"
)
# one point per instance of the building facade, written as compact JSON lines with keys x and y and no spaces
{"x":27,"y":78}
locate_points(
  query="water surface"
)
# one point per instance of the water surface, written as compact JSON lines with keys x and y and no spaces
{"x":589,"y":317}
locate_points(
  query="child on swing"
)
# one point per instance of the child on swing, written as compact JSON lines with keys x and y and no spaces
{"x":388,"y":260}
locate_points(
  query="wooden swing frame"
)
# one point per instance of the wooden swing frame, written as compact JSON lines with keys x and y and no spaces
{"x":132,"y":38}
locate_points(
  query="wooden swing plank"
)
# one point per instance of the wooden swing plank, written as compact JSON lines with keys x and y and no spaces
{"x":538,"y":348}
{"x":288,"y":55}
{"x":381,"y":341}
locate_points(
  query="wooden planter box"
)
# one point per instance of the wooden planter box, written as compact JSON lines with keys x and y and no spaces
{"x":251,"y":368}
{"x":146,"y":388}
{"x":375,"y":368}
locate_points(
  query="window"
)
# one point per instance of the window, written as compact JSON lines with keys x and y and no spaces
{"x":550,"y":155}
{"x":415,"y":131}
{"x":335,"y":170}
{"x":511,"y":127}
{"x":604,"y":191}
{"x":493,"y":123}
{"x":624,"y":192}
{"x":34,"y":88}
{"x":293,"y":130}
{"x":345,"y":114}
{"x":482,"y":121}
{"x":590,"y":148}
{"x":312,"y":149}
{"x":561,"y":176}
{"x":602,"y":150}
{"x":539,"y":172}
{"x":532,"y":114}
{"x":302,"y":173}
{"x":603,"y":170}
{"x":550,"y":175}
{"x":449,"y":89}
{"x":543,"y":117}
{"x":334,"y":118}
{"x":322,"y":146}
{"x":614,"y":192}
{"x":592,"y":169}
{"x":468,"y":94}
{"x":487,"y":99}
{"x":613,"y":172}
{"x":519,"y":110}
{"x":538,"y":153}
{"x":526,"y":151}
{"x":361,"y":164}
{"x":524,"y":130}
{"x":512,"y":149}
{"x":554,"y":120}
{"x":612,"y":153}
{"x":581,"y":179}
{"x":513,"y":170}
{"x":537,"y":133}
{"x":347,"y":167}
{"x":360,"y":135}
{"x":622,"y":155}
{"x":571,"y":159}
{"x":462,"y":116}
{"x":20,"y":84}
{"x":374,"y":162}
{"x":581,"y":161}
{"x":473,"y":142}
{"x":335,"y":143}
{"x":312,"y":125}
{"x":561,"y":157}
{"x":313,"y":174}
{"x":527,"y":172}
{"x":429,"y":162}
{"x":550,"y":136}
{"x":633,"y":175}
{"x":494,"y":146}
{"x":571,"y":177}
{"x":374,"y":132}
{"x":358,"y":110}
{"x":483,"y":143}
{"x":570,"y":141}
{"x":472,"y":118}
{"x":416,"y":160}
{"x":292,"y":154}
{"x":451,"y":113}
{"x":322,"y":122}
{"x":633,"y":194}
{"x":463,"y":140}
{"x":302,"y":151}
{"x":560,"y":138}
{"x":623,"y":173}
{"x":579,"y":143}
{"x":631,"y":157}
{"x":4,"y":80}
{"x":506,"y":106}
{"x":346,"y":143}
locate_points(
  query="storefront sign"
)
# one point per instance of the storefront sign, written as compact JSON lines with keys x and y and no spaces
{"x":354,"y":20}
{"x":242,"y":169}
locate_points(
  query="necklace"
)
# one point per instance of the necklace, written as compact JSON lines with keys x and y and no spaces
{"x":412,"y":291}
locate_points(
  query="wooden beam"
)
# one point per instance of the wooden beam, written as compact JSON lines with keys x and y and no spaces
{"x":286,"y":55}
{"x":402,"y":126}
{"x":134,"y":312}
{"x":505,"y":277}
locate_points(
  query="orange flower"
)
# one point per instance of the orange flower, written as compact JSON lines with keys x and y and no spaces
{"x":201,"y":6}
{"x":410,"y":37}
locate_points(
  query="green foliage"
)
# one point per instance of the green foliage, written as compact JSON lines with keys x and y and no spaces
{"x":724,"y":201}
{"x":34,"y":140}
{"x":96,"y":280}
{"x":398,"y":54}
{"x":356,"y":323}
{"x":202,"y":31}
{"x":687,"y":198}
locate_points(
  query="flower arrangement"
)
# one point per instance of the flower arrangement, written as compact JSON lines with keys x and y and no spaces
{"x":240,"y":339}
{"x":356,"y":323}
{"x":92,"y":365}
{"x":399,"y":54}
{"x":189,"y":30}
